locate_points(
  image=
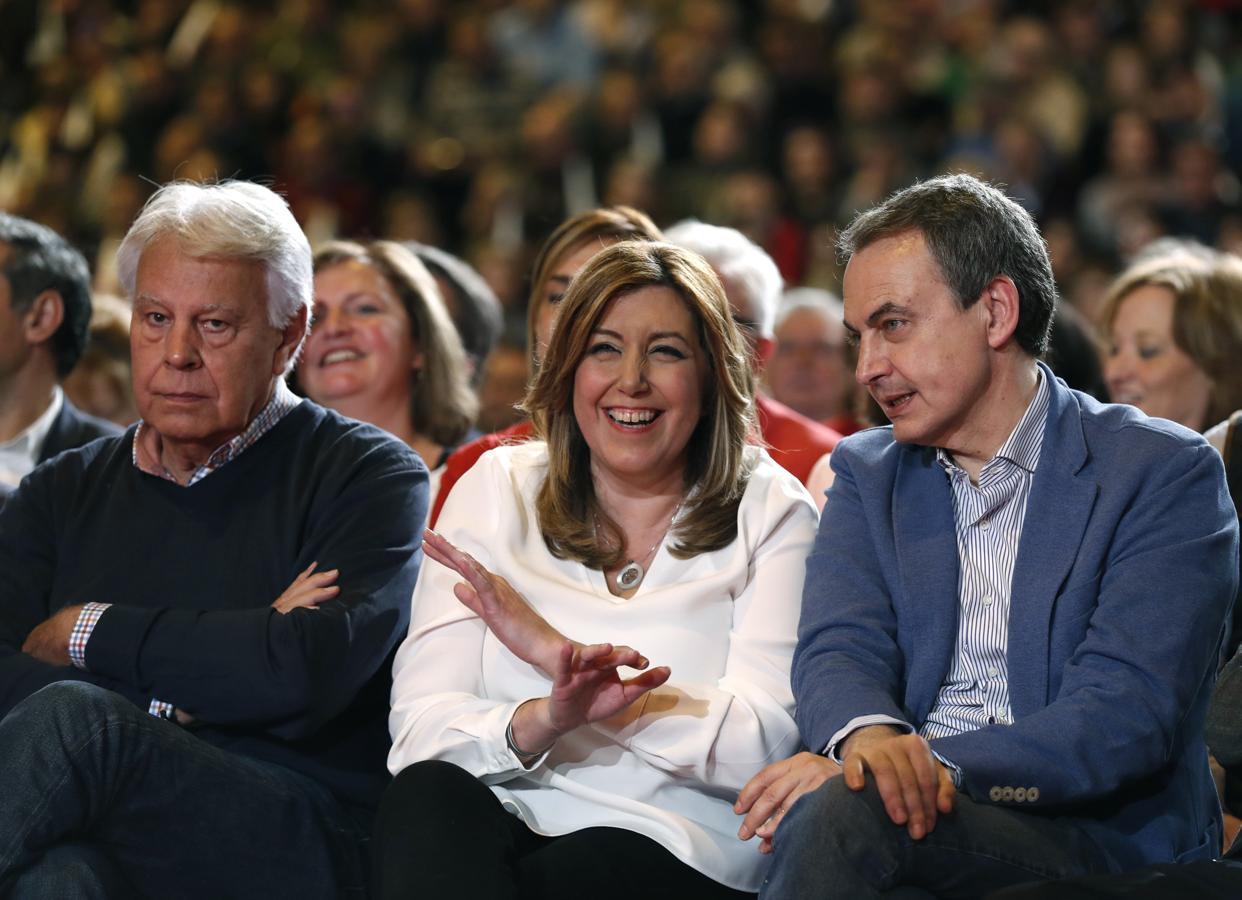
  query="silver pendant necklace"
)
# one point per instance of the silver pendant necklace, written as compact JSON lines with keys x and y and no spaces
{"x":633,"y":572}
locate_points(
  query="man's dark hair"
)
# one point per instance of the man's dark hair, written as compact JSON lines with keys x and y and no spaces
{"x":474,"y":307}
{"x":974,"y":233}
{"x":38,"y":259}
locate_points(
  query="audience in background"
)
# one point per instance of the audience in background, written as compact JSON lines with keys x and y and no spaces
{"x":101,"y":383}
{"x":383,"y":350}
{"x":1174,"y":319}
{"x":1120,"y":121}
{"x":753,"y":286}
{"x":45,"y":313}
{"x":811,"y":369}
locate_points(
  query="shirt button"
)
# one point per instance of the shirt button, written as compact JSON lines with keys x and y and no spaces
{"x":988,"y":601}
{"x":985,"y":524}
{"x":993,"y":671}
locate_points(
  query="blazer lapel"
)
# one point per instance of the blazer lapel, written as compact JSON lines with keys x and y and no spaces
{"x":925,"y":539}
{"x":1057,"y":513}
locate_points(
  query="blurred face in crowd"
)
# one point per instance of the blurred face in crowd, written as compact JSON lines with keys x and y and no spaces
{"x":360,"y":348}
{"x":550,"y":292}
{"x":205,"y":358}
{"x":638,"y":391}
{"x":1146,"y":368}
{"x":924,"y":360}
{"x":809,"y":370}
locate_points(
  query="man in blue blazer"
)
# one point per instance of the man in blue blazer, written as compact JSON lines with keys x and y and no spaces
{"x":1015,"y":603}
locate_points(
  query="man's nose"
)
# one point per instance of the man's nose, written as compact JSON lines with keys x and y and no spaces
{"x":872,"y":362}
{"x":181,"y":349}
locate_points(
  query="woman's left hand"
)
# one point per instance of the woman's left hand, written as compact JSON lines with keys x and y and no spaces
{"x":506,"y":613}
{"x":586,"y":688}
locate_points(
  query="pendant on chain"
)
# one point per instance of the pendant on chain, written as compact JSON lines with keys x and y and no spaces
{"x":630,"y":576}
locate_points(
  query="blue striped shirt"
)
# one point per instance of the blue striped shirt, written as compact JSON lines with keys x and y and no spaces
{"x":989,"y":520}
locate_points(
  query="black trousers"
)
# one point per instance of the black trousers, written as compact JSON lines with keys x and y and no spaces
{"x":442,"y":833}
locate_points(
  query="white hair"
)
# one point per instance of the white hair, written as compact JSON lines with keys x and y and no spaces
{"x":229,"y":220}
{"x":738,"y":261}
{"x":823,"y":302}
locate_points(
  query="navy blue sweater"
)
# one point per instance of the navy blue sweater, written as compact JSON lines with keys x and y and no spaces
{"x":192,"y":573}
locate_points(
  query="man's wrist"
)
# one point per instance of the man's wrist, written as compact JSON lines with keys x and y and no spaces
{"x":868,"y":734}
{"x":82,"y":630}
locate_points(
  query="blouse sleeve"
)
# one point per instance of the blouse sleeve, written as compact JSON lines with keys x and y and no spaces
{"x":439,"y":707}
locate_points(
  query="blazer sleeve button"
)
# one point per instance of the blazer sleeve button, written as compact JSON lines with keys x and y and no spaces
{"x":1019,"y":794}
{"x":1032,"y":794}
{"x":995,"y":794}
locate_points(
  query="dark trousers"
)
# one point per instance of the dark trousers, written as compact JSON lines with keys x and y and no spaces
{"x":835,"y":842}
{"x":442,"y":833}
{"x":99,"y":799}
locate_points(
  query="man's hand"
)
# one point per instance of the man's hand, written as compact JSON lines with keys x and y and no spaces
{"x":49,"y":641}
{"x":768,"y":796}
{"x":914,"y":786}
{"x":308,"y":590}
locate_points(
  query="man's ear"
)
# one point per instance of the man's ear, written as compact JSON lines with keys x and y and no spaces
{"x":1000,"y":299}
{"x":290,"y":339}
{"x":44,"y":317}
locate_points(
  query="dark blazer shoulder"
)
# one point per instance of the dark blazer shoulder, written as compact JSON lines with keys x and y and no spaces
{"x":73,"y":428}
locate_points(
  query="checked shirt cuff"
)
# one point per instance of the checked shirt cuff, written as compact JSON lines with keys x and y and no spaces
{"x":88,"y":618}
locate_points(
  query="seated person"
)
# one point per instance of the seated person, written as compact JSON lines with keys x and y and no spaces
{"x":810,"y":367}
{"x":383,"y":349}
{"x":1174,"y":322}
{"x":753,"y":286}
{"x":174,"y":722}
{"x":531,"y":760}
{"x":45,"y":311}
{"x":1016,"y":599}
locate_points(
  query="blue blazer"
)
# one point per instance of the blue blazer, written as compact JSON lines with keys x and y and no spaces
{"x":73,"y":428}
{"x":1125,"y":573}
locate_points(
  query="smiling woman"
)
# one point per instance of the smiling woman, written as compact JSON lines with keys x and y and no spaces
{"x":382,"y":348}
{"x":1175,"y":330}
{"x":604,"y":657}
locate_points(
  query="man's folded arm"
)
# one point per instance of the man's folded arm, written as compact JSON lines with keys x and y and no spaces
{"x":287,"y":672}
{"x":1150,"y":644}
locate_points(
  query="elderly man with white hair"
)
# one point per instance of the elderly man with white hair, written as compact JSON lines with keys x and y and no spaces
{"x":753,"y":285}
{"x":196,"y":616}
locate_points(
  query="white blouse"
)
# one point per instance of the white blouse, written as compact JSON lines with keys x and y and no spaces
{"x":725,"y":622}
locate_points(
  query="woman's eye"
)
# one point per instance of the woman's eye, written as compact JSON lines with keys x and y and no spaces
{"x":602,"y":348}
{"x":553,"y":299}
{"x":669,"y":351}
{"x":1149,"y":352}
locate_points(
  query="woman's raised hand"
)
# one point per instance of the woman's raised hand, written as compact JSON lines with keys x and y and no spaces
{"x":506,"y":613}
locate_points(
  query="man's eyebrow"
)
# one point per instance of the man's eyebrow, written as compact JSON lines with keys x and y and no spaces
{"x":884,"y":310}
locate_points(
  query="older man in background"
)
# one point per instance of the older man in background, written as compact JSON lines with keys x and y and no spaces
{"x":190,"y":709}
{"x":45,"y":313}
{"x":753,"y":285}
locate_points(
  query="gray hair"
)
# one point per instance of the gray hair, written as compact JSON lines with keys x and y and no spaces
{"x":738,"y":261}
{"x":231,"y":220}
{"x":821,"y":301}
{"x":974,"y":233}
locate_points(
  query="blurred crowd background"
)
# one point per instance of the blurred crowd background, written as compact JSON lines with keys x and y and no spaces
{"x":479,"y":125}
